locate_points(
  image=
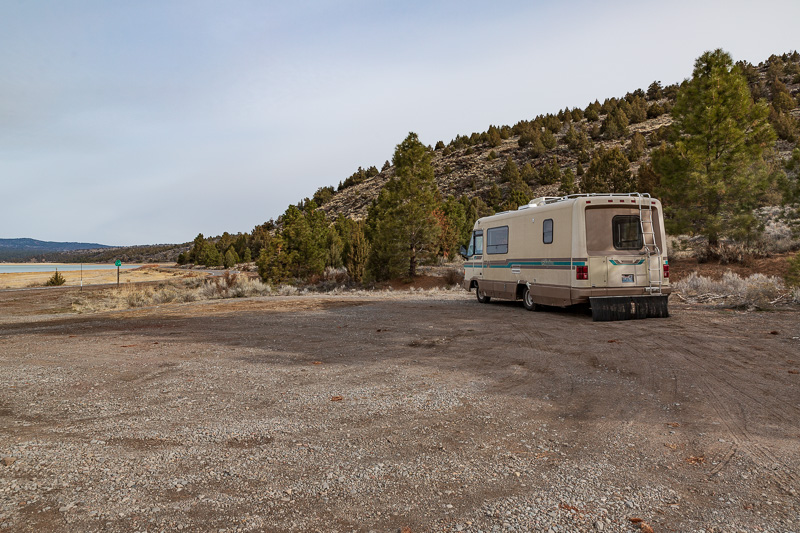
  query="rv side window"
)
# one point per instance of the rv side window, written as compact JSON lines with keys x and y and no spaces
{"x":475,"y":243}
{"x":497,"y":240}
{"x":547,"y":231}
{"x":627,"y":232}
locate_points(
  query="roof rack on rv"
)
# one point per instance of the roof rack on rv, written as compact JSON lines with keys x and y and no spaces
{"x":544,"y":200}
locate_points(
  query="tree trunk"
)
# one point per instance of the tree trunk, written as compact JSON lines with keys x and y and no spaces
{"x":412,"y":265}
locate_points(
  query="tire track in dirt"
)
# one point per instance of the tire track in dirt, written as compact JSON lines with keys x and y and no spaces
{"x":726,"y":394}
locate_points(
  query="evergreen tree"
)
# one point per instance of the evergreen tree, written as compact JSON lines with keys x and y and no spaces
{"x":357,"y":252}
{"x":494,"y":197}
{"x":248,"y":256}
{"x":55,"y":280}
{"x":405,"y":228}
{"x":197,"y":249}
{"x":655,"y":110}
{"x":655,"y":91}
{"x":638,"y":111}
{"x":714,"y":174}
{"x":550,"y":173}
{"x":567,"y":182}
{"x":231,"y":258}
{"x":609,"y":171}
{"x":548,"y":140}
{"x":529,"y":174}
{"x":616,"y":124}
{"x":647,"y":180}
{"x":637,"y":146}
{"x":510,"y":172}
{"x":209,"y":255}
{"x":333,"y":249}
{"x":494,"y":137}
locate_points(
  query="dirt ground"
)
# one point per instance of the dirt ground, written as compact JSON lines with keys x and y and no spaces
{"x":395,"y":411}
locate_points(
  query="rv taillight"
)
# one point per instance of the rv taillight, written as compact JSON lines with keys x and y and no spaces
{"x":582,"y":272}
{"x":666,"y":271}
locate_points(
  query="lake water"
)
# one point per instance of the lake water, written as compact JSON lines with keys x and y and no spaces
{"x":51,"y":267}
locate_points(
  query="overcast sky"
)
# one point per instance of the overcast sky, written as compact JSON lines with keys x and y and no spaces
{"x":151,"y":121}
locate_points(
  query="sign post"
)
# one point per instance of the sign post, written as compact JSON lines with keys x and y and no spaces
{"x":118,"y":263}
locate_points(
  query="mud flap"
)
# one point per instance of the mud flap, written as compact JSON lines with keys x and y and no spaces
{"x":608,"y":308}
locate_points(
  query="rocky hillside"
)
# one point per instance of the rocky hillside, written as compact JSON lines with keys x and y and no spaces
{"x":471,"y":165}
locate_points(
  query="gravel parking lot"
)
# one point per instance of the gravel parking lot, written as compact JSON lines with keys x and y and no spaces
{"x":414,"y":411}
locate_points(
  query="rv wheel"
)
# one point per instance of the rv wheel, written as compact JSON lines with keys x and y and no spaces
{"x":527,"y":300}
{"x":482,"y":298}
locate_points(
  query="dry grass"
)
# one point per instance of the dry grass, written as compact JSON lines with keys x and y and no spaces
{"x":756,"y":291}
{"x":18,"y":280}
{"x":229,"y":285}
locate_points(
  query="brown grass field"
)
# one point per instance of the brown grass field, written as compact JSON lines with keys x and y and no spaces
{"x":143,"y":273}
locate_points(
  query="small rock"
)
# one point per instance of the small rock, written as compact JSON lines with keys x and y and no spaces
{"x":8,"y":461}
{"x":599,"y":526}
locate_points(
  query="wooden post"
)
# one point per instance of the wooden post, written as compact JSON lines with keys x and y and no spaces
{"x":118,"y":277}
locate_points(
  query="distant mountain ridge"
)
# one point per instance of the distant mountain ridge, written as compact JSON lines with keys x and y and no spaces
{"x":32,"y":250}
{"x":33,"y":245}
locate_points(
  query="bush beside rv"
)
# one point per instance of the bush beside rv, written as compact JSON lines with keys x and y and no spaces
{"x":607,"y":250}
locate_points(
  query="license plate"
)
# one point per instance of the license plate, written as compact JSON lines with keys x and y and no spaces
{"x":627,"y":278}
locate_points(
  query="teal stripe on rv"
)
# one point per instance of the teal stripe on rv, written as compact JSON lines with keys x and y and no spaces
{"x":539,"y":263}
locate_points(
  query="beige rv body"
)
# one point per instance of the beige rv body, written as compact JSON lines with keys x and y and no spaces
{"x":550,"y":240}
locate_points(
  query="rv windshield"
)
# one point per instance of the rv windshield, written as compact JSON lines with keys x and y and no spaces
{"x":475,"y":244}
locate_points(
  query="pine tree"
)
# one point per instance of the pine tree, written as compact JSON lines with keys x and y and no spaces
{"x":616,"y":124}
{"x":713,"y":174}
{"x":637,"y":146}
{"x":357,"y":252}
{"x":609,"y":171}
{"x":510,"y":171}
{"x":209,"y":256}
{"x":567,"y":182}
{"x":248,"y":256}
{"x":405,"y":228}
{"x":55,"y":280}
{"x":655,"y":91}
{"x":197,"y":249}
{"x":230,"y":258}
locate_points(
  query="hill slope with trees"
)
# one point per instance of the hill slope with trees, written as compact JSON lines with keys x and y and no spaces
{"x":714,"y":148}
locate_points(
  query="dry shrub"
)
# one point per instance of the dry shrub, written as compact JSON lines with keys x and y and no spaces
{"x":187,"y":290}
{"x":757,"y":290}
{"x":453,"y":276}
{"x":728,"y":253}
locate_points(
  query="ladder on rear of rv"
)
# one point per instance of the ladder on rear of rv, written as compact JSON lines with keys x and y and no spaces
{"x":655,"y":273}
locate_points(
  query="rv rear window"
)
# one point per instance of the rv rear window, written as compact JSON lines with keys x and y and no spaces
{"x":627,"y":232}
{"x":497,"y":240}
{"x":547,"y":231}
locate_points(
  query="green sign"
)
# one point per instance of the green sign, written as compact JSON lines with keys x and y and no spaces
{"x":117,"y":263}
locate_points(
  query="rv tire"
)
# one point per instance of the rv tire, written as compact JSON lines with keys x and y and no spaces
{"x":527,"y":300}
{"x":482,"y":298}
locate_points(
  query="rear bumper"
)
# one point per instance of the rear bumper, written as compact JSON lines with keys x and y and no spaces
{"x":579,"y":295}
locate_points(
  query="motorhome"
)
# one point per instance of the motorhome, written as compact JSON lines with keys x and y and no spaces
{"x":605,"y":250}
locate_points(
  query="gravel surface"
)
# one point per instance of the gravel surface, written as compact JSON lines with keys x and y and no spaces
{"x":411,"y":412}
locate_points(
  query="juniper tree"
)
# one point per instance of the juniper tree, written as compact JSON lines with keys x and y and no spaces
{"x":609,"y":171}
{"x":655,"y":91}
{"x":713,"y":174}
{"x":405,"y":228}
{"x":637,"y":146}
{"x":567,"y":182}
